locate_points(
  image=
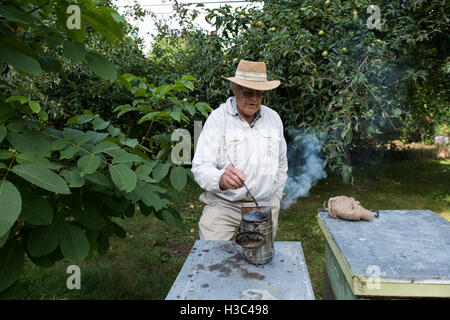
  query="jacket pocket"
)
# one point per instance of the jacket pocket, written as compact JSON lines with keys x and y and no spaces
{"x":236,"y":151}
{"x":270,"y":144}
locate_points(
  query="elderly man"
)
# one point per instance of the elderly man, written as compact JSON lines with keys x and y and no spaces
{"x":241,"y":142}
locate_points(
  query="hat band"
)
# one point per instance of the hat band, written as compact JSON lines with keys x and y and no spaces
{"x":251,"y":76}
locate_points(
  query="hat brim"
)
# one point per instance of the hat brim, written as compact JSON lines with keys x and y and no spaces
{"x":256,"y":85}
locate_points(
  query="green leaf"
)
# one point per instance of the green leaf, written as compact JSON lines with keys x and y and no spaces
{"x":69,"y":152}
{"x":36,"y":210}
{"x":188,"y":84}
{"x":108,"y":230}
{"x":123,"y":177}
{"x":73,"y":242}
{"x":5,"y":154}
{"x":151,"y":199}
{"x":151,"y":115}
{"x":19,"y":45}
{"x":98,"y":178}
{"x":124,"y":81}
{"x":118,"y":205}
{"x":35,"y":106}
{"x":146,"y":211}
{"x":59,"y":144}
{"x":190,"y":78}
{"x":172,"y":218}
{"x":54,"y":40}
{"x":100,"y":124}
{"x":30,"y":141}
{"x":88,"y":164}
{"x":48,"y":260}
{"x":143,"y":172}
{"x":10,"y":206}
{"x":154,"y":188}
{"x":80,"y":119}
{"x":127,"y":157}
{"x":43,"y":115}
{"x":42,"y":240}
{"x":3,"y":239}
{"x":15,"y":15}
{"x":103,"y":22}
{"x":90,"y":218}
{"x":140,"y":92}
{"x":160,"y":172}
{"x":105,"y":147}
{"x":6,"y":112}
{"x":73,"y":178}
{"x":50,"y":64}
{"x":204,"y":108}
{"x":41,"y":177}
{"x":119,"y":231}
{"x":191,"y":109}
{"x":82,"y":139}
{"x":13,"y":292}
{"x":29,"y":157}
{"x":129,"y":211}
{"x":20,"y":61}
{"x":178,"y":178}
{"x":12,"y":261}
{"x":129,"y":142}
{"x":103,"y":244}
{"x":101,"y":66}
{"x":113,"y":131}
{"x":175,"y":115}
{"x":2,"y":132}
{"x":74,"y":51}
{"x":14,"y":98}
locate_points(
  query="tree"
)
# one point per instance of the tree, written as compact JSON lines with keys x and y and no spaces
{"x":354,"y":84}
{"x":62,"y":188}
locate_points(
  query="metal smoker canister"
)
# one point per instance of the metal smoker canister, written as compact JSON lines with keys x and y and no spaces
{"x":259,"y":221}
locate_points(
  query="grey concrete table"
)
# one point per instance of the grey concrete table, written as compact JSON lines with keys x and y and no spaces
{"x":217,"y":270}
{"x":403,"y":253}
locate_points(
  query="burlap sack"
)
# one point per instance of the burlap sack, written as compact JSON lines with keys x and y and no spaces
{"x":347,"y":208}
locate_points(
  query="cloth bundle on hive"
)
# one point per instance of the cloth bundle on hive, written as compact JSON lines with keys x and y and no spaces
{"x":348,"y":208}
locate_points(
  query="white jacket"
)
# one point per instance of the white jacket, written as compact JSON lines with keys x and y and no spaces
{"x":260,"y":152}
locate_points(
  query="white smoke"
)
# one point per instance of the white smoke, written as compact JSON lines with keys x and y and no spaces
{"x":305,"y":165}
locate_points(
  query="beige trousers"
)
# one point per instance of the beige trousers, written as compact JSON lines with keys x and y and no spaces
{"x":220,"y":217}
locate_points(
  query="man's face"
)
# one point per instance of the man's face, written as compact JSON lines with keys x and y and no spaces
{"x":248,"y":100}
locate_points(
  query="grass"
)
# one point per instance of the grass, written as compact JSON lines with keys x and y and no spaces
{"x":146,"y":263}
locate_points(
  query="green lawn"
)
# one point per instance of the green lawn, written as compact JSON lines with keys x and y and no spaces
{"x":146,"y":263}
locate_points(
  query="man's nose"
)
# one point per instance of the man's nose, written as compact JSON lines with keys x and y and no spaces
{"x":254,"y":95}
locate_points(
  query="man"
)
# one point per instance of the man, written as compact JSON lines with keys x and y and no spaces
{"x":241,"y":142}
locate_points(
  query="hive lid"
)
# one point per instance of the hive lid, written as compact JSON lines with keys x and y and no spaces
{"x":217,"y":270}
{"x":407,"y":253}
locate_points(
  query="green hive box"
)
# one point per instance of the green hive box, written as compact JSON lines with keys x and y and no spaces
{"x":401,"y":254}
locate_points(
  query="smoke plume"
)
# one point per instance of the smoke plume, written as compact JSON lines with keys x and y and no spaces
{"x":305,"y":165}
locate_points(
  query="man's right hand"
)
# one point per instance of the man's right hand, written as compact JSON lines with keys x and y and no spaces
{"x":232,"y":178}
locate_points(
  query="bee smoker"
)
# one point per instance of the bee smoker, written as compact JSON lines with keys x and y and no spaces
{"x":256,"y":235}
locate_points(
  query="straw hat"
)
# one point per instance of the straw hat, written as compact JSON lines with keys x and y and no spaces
{"x":253,"y":75}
